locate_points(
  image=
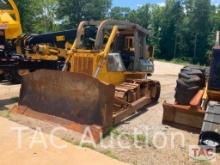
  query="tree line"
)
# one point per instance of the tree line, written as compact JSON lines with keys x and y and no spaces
{"x":180,"y":29}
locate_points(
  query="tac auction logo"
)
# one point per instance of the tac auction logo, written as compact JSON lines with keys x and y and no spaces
{"x":202,"y":153}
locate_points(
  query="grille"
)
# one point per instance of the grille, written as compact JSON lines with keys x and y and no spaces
{"x":82,"y":65}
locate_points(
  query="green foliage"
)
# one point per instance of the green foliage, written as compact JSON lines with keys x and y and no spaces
{"x":120,"y":13}
{"x":24,"y":7}
{"x":170,"y":29}
{"x":182,"y":29}
{"x":141,"y":16}
{"x":200,"y":28}
{"x":71,"y":12}
{"x":156,"y":21}
{"x":45,"y":20}
{"x":37,"y":16}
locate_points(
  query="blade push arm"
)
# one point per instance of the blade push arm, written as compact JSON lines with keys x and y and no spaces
{"x":106,"y":51}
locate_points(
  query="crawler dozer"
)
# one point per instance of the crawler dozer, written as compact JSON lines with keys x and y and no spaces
{"x":104,"y":80}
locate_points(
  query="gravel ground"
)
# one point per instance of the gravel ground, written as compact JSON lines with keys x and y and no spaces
{"x":152,"y":133}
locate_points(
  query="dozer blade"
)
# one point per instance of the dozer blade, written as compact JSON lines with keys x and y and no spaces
{"x":183,"y":117}
{"x":72,"y":96}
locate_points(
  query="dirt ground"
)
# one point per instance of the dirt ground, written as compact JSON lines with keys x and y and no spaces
{"x":154,"y":139}
{"x":44,"y":153}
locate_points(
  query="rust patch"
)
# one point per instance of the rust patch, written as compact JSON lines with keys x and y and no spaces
{"x":97,"y":131}
{"x":72,"y":96}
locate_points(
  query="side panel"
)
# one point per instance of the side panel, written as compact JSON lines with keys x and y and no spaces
{"x":87,"y":63}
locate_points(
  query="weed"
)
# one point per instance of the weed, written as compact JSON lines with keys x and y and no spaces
{"x":115,"y":133}
{"x":203,"y":162}
{"x":14,"y":100}
{"x":5,"y":113}
{"x":90,"y":146}
{"x":135,"y":162}
{"x":141,"y":139}
{"x":109,"y":154}
{"x":68,"y":140}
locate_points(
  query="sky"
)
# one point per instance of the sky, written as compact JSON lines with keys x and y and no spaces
{"x":136,"y":3}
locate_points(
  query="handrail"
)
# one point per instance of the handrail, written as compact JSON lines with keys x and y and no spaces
{"x":106,"y":51}
{"x":15,"y":9}
{"x":101,"y":25}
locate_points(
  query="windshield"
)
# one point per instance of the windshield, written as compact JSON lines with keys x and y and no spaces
{"x":5,"y":5}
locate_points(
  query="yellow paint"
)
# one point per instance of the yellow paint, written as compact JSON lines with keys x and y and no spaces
{"x":205,"y":95}
{"x":10,"y":21}
{"x":91,"y":62}
{"x":110,"y":41}
{"x":104,"y":75}
{"x":81,"y":60}
{"x":60,"y":38}
{"x":44,"y":57}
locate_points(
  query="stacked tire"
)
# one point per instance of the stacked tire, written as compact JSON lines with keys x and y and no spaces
{"x":190,"y":81}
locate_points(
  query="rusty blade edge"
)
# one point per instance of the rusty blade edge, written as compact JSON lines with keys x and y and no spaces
{"x":97,"y":131}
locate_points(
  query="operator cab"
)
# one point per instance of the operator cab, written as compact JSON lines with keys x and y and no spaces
{"x":124,"y":46}
{"x":129,"y":51}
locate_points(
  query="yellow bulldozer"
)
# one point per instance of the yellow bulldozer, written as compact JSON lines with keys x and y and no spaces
{"x":24,"y":53}
{"x":104,"y":79}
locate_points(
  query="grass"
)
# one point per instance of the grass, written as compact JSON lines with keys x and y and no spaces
{"x":109,"y":154}
{"x":204,"y":162}
{"x":90,"y":146}
{"x":5,"y":113}
{"x":70,"y":141}
{"x":115,"y":133}
{"x":135,"y":162}
{"x":141,"y":139}
{"x":14,"y":100}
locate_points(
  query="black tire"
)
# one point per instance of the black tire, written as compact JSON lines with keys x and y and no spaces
{"x":184,"y":75}
{"x":158,"y":92}
{"x":182,"y":89}
{"x":193,"y":81}
{"x":195,"y":70}
{"x":185,"y":96}
{"x":190,"y":81}
{"x":212,"y":137}
{"x":202,"y":69}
